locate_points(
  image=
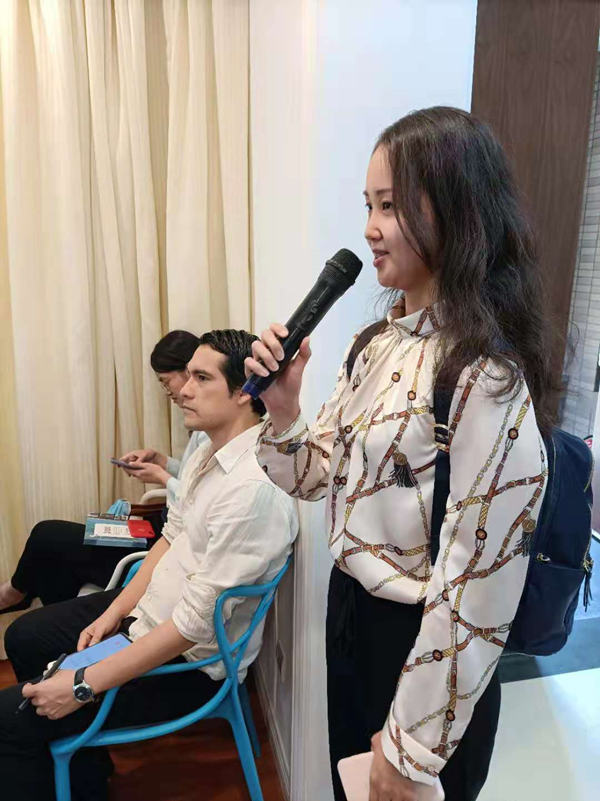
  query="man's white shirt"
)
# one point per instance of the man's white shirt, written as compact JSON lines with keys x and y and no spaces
{"x":229,"y":526}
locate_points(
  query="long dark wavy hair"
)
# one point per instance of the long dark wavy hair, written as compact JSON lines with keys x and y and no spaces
{"x":480,"y":248}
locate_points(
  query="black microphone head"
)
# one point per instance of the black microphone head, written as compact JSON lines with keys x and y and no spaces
{"x":347,"y":264}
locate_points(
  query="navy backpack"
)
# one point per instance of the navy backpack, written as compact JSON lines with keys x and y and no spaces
{"x":559,"y":548}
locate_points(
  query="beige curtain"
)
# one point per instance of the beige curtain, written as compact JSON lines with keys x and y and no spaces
{"x":123,"y":214}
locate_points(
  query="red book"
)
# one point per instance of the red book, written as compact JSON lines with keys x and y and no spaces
{"x":140,"y":528}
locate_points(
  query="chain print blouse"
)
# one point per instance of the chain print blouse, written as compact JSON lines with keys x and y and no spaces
{"x":371,"y":452}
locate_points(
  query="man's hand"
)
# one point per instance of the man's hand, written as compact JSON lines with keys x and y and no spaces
{"x":102,"y":627}
{"x":54,"y":697}
{"x":386,"y":783}
{"x":149,"y":473}
{"x":145,"y":455}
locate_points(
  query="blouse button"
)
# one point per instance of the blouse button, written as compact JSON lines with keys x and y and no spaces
{"x":395,"y":377}
{"x":412,"y":395}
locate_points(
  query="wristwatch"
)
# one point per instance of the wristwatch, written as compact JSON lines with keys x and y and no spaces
{"x":81,"y":689}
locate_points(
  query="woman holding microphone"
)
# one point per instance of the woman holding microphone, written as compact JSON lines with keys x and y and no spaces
{"x":412,"y":648}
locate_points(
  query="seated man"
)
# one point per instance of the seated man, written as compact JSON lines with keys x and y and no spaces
{"x":229,"y":525}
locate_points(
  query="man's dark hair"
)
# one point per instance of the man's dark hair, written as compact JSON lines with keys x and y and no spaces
{"x":236,"y":346}
{"x":173,"y":351}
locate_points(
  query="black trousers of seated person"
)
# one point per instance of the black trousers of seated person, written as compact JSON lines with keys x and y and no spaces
{"x":368,"y":641}
{"x":56,"y":563}
{"x":26,"y":766}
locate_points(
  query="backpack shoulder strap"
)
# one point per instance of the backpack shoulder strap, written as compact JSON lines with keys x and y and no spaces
{"x":442,"y":399}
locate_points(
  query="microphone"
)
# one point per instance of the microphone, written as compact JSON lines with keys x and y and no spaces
{"x":338,"y":275}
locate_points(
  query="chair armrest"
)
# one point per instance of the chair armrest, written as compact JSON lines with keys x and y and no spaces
{"x":154,"y":495}
{"x":121,"y":565}
{"x":69,"y":745}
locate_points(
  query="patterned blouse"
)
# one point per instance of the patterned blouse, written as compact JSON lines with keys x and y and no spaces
{"x":371,"y":452}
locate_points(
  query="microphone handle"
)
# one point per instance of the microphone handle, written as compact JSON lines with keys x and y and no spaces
{"x":302,"y":322}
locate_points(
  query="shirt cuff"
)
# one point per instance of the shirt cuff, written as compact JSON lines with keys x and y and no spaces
{"x":173,"y":466}
{"x":267,"y":436}
{"x":410,"y":757}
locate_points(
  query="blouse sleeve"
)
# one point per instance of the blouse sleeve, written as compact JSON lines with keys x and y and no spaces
{"x":297,"y":460}
{"x":497,"y":478}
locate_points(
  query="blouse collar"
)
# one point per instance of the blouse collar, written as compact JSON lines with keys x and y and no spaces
{"x":418,"y":324}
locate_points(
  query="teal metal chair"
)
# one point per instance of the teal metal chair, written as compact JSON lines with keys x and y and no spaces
{"x":230,"y":701}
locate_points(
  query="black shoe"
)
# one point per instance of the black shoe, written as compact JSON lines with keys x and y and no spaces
{"x":24,"y":604}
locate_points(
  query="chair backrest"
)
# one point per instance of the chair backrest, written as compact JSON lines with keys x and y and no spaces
{"x":233,"y":653}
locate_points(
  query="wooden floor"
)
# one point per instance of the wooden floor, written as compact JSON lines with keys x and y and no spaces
{"x":200,"y":762}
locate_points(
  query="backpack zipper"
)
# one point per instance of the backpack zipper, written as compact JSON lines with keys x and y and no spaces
{"x":587,"y":564}
{"x":589,"y":481}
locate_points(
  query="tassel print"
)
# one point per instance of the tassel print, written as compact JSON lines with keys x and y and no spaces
{"x":529,"y":527}
{"x":402,"y":473}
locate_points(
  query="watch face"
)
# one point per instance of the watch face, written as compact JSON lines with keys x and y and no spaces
{"x":82,"y":693}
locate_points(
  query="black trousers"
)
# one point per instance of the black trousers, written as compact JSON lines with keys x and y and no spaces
{"x":362,"y":679}
{"x":26,"y":767}
{"x":55,"y":563}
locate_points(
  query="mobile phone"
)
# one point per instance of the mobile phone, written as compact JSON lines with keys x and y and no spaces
{"x":121,"y":463}
{"x":95,"y":653}
{"x":355,"y":770}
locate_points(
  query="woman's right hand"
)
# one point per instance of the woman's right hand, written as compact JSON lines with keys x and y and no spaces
{"x":282,"y":398}
{"x":102,"y":627}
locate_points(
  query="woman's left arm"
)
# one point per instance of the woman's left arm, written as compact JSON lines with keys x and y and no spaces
{"x":497,"y":480}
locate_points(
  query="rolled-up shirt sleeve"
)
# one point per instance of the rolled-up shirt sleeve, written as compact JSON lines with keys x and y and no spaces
{"x":497,"y":480}
{"x":250,"y":531}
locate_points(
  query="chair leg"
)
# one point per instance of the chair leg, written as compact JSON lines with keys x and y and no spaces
{"x":244,"y":747}
{"x":247,"y":710}
{"x":62,"y":780}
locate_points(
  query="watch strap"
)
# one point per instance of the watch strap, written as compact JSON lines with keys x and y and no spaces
{"x":80,"y":683}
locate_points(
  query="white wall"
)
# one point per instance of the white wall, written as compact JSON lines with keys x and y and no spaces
{"x":326,"y":77}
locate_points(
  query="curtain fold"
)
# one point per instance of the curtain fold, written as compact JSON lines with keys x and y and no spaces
{"x":123,"y":214}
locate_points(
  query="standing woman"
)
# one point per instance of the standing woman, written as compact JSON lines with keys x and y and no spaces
{"x":412,"y":649}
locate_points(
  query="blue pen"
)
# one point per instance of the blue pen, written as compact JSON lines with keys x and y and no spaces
{"x":48,"y":674}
